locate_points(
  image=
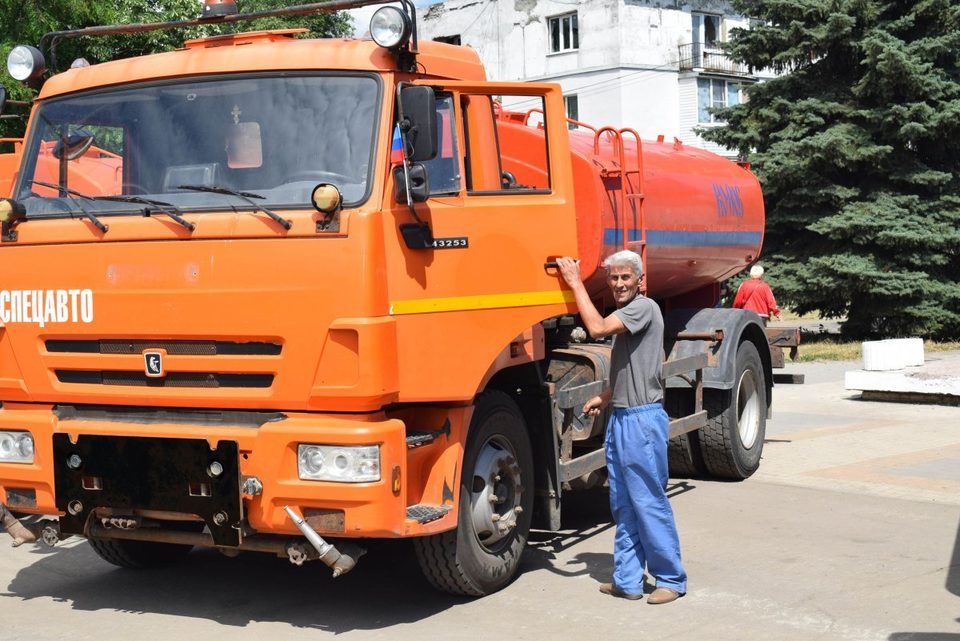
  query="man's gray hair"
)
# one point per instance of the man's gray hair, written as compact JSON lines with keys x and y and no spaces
{"x":625,"y":258}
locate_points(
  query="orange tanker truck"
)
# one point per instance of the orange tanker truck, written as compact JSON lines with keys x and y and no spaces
{"x":283,"y":295}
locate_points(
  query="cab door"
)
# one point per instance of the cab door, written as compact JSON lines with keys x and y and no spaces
{"x":501,"y":205}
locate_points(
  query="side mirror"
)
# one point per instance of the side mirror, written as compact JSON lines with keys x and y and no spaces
{"x":418,"y":106}
{"x":76,"y":144}
{"x":419,"y":183}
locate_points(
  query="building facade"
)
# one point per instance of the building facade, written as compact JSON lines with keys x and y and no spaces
{"x":652,"y":65}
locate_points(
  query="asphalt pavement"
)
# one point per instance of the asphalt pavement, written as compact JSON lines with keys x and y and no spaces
{"x":850,"y":530}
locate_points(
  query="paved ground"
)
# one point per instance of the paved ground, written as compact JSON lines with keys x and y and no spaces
{"x":848,"y":532}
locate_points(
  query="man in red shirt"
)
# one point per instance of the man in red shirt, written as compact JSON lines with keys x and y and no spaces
{"x":754,"y":294}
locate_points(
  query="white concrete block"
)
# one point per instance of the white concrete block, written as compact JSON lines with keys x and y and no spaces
{"x":892,"y":354}
{"x":902,"y":382}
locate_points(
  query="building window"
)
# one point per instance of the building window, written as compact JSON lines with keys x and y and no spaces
{"x":712,"y":94}
{"x":706,"y":30}
{"x":573,"y":109}
{"x":564,"y":33}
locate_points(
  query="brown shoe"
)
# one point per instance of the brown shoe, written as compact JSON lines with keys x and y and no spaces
{"x":612,"y":590}
{"x":663,"y":595}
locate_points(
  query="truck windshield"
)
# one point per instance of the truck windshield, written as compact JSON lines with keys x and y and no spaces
{"x":277,"y":136}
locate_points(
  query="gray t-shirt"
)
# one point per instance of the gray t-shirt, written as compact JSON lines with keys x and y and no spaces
{"x":637,"y":360}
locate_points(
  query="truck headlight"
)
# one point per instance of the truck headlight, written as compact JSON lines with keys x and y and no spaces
{"x":16,"y":447}
{"x":342,"y":463}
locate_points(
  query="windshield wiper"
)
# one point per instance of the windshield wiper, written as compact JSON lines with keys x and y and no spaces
{"x":169,"y":209}
{"x":73,"y":192}
{"x":244,"y":195}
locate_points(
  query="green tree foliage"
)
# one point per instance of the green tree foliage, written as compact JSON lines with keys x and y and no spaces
{"x":856,"y":146}
{"x":26,"y":21}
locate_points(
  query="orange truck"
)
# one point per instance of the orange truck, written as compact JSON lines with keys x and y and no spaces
{"x":278,"y":294}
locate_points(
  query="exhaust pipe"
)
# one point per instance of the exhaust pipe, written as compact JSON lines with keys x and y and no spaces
{"x":340,"y":561}
{"x":17,"y":530}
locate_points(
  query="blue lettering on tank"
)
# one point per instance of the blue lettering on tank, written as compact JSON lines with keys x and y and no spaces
{"x":728,"y":200}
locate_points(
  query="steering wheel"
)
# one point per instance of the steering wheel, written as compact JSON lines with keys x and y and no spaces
{"x":319,"y":175}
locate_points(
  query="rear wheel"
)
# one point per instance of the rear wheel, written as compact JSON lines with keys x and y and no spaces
{"x":732,"y":440}
{"x":683,"y":452}
{"x":482,"y":554}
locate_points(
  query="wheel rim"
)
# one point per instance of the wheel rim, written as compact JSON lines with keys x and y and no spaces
{"x":495,"y":493}
{"x":748,"y":408}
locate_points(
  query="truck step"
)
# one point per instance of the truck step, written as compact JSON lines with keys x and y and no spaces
{"x":423,"y":513}
{"x":416,"y":438}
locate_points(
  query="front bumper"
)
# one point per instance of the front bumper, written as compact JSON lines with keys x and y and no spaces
{"x":159,"y":467}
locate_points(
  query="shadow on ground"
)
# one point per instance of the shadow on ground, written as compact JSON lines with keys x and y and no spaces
{"x":261,"y":588}
{"x":585,"y":515}
{"x":236,"y":592}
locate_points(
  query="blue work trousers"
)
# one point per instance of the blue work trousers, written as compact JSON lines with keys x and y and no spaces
{"x":636,"y":448}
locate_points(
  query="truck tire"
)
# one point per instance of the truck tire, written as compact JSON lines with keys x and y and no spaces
{"x":732,"y":440}
{"x":482,"y":554}
{"x":138,"y":554}
{"x":684,"y":458}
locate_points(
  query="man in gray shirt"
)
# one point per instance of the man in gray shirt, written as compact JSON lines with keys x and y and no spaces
{"x":636,"y":439}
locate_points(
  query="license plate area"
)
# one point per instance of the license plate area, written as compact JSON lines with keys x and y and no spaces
{"x":134,"y":473}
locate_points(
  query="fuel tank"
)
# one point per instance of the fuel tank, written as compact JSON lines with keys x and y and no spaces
{"x":697,"y":218}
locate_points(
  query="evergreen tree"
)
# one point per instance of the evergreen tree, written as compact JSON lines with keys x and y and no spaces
{"x":26,"y":23}
{"x":857,"y":146}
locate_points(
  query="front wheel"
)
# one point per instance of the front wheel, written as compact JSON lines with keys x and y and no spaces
{"x":482,"y":554}
{"x":732,"y":440}
{"x":138,"y":554}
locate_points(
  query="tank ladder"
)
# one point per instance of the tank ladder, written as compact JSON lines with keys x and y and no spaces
{"x":631,"y":192}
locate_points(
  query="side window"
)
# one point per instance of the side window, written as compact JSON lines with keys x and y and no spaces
{"x":443,"y":171}
{"x":506,"y":144}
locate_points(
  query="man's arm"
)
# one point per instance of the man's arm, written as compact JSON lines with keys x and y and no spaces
{"x":597,"y":325}
{"x":598,"y":402}
{"x":772,"y":303}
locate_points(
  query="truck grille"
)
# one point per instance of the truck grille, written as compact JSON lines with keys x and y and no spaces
{"x":172,"y":379}
{"x":173,"y":347}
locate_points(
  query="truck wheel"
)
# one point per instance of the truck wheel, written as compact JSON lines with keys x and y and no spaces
{"x":683,"y":452}
{"x":482,"y":554}
{"x":732,"y":440}
{"x":138,"y":554}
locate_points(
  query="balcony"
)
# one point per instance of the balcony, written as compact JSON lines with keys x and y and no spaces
{"x":700,"y":57}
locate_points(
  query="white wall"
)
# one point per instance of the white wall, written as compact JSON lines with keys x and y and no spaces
{"x":625,"y":72}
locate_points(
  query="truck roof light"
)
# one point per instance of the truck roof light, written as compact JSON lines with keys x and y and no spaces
{"x":390,"y":27}
{"x":219,"y":8}
{"x":25,"y":63}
